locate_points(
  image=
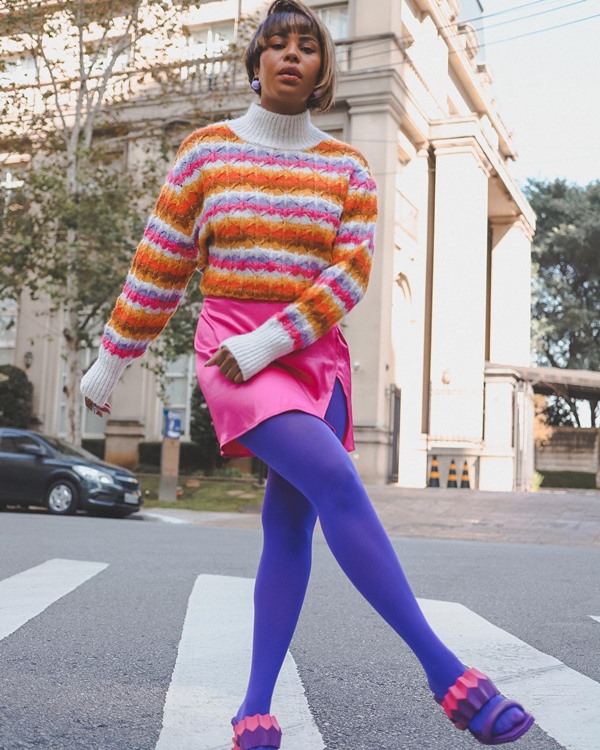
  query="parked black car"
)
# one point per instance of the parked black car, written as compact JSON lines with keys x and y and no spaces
{"x":40,"y":470}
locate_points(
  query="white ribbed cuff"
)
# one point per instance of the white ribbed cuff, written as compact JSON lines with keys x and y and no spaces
{"x":255,"y":350}
{"x":99,"y":381}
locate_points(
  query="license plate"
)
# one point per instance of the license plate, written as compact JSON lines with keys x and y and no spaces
{"x":132,"y":497}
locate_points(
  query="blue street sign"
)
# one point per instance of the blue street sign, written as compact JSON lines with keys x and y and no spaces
{"x":172,"y":423}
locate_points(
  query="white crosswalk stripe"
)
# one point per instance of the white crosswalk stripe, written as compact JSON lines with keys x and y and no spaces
{"x":213,"y":661}
{"x":212,"y":669}
{"x":214,"y":653}
{"x":565,"y":703}
{"x":24,"y":595}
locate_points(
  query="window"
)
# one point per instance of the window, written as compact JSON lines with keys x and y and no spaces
{"x":8,"y":308}
{"x":16,"y":443}
{"x":99,"y":60}
{"x":335,"y":17}
{"x":209,"y":42}
{"x":19,"y":71}
{"x":92,"y":426}
{"x":180,"y":379}
{"x":8,"y":331}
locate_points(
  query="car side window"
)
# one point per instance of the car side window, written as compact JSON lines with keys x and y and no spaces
{"x":22,"y":441}
{"x":15,"y":443}
{"x":8,"y":445}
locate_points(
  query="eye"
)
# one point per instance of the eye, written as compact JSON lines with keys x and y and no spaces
{"x":309,"y":50}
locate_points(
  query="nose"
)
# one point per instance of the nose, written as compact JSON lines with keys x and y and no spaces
{"x":292,"y":53}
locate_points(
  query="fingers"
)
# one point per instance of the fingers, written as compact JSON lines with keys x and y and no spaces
{"x":213,"y":360}
{"x":227,"y":365}
{"x":96,"y":409}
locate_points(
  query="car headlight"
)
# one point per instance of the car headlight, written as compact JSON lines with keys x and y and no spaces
{"x":94,"y":476}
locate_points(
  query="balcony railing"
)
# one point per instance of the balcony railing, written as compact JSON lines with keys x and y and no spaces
{"x":195,"y":77}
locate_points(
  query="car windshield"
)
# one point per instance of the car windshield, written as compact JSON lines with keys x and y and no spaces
{"x":70,"y":450}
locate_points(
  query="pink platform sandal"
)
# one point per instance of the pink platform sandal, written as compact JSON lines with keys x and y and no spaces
{"x":256,"y":731}
{"x":470,"y":693}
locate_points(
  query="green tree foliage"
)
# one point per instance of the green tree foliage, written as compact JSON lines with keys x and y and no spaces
{"x":202,"y":432}
{"x":16,"y":398}
{"x":16,"y":257}
{"x":71,"y":71}
{"x":85,"y":238}
{"x":566,"y":283}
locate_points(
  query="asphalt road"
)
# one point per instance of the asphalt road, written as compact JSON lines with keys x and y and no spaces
{"x":92,"y":670}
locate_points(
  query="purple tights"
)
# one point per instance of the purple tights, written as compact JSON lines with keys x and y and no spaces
{"x":310,"y":475}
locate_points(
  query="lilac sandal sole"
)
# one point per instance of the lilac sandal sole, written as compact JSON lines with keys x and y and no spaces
{"x":470,"y":693}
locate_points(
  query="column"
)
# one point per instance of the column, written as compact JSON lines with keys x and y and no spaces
{"x":368,"y":327}
{"x":497,"y":461}
{"x":458,"y":305}
{"x":510,"y":303}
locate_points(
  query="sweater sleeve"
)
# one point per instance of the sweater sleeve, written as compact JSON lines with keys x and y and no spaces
{"x":161,"y":269}
{"x":333,"y":293}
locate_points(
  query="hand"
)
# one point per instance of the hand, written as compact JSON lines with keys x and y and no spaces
{"x":99,"y":411}
{"x":227,"y":364}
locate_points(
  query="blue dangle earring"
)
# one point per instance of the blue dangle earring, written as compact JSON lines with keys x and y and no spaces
{"x":255,"y":84}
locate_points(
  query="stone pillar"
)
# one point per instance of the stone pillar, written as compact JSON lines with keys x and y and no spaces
{"x":408,"y":308}
{"x":122,"y":439}
{"x":598,"y":459}
{"x":497,"y":460}
{"x":368,"y":327}
{"x":459,"y":295}
{"x":510,"y":296}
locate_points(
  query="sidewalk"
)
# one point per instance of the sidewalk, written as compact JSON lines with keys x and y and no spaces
{"x":561,"y":517}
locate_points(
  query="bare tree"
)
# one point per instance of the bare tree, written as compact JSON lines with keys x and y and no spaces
{"x":76,"y":78}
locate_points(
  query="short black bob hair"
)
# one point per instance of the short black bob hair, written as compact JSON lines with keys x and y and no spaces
{"x":293,"y":16}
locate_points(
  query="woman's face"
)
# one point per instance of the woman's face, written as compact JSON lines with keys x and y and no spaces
{"x":288,"y":72}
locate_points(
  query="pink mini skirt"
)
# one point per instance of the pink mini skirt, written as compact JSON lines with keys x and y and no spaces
{"x":300,"y":381}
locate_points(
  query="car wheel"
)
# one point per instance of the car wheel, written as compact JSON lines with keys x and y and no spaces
{"x":61,"y":498}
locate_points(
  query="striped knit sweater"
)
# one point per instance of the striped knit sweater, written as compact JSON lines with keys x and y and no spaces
{"x":269,"y":208}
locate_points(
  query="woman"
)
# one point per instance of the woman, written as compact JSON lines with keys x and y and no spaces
{"x":280,"y":218}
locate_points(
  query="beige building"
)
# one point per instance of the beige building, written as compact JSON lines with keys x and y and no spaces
{"x":437,"y":341}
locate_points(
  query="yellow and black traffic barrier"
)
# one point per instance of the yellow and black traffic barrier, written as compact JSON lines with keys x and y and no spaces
{"x":434,"y":473}
{"x":465,"y":484}
{"x":452,"y":482}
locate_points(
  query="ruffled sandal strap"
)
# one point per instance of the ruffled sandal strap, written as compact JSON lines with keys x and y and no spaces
{"x":256,"y":731}
{"x":465,"y":698}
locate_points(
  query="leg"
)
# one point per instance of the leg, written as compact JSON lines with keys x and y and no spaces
{"x":304,"y":451}
{"x":288,"y":523}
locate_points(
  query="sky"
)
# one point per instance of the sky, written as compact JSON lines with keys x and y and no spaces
{"x":547,"y":84}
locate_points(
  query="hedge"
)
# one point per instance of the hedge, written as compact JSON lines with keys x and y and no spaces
{"x":16,"y":398}
{"x":190,"y":456}
{"x":94,"y":445}
{"x":572,"y":480}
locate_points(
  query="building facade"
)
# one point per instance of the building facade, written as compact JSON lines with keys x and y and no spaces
{"x":438,"y":338}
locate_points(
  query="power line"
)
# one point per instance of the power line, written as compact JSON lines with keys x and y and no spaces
{"x":501,"y":12}
{"x":531,"y":15}
{"x":541,"y":31}
{"x":384,"y":39}
{"x":497,"y":41}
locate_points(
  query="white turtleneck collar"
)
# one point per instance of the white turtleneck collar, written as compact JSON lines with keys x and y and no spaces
{"x":286,"y":132}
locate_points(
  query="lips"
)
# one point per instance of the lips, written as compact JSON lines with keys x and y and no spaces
{"x":290,"y":71}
